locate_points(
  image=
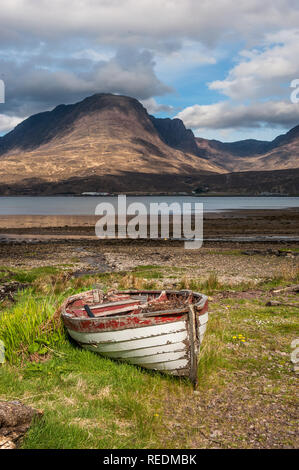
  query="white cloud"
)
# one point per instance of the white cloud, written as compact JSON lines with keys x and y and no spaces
{"x":182,"y":61}
{"x":8,"y":122}
{"x":63,"y":52}
{"x":263,"y":72}
{"x":258,"y":87}
{"x":225,"y":115}
{"x":94,"y":55}
{"x":153,"y":107}
{"x":143,"y":22}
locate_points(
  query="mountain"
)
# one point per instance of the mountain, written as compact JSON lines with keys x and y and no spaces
{"x":109,"y":143}
{"x":104,"y":136}
{"x":247,"y":155}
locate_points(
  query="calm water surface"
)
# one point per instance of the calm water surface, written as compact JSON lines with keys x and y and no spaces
{"x":62,"y":205}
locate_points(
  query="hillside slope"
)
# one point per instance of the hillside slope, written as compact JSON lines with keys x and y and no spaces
{"x":102,"y":135}
{"x":282,"y":153}
{"x":253,"y":183}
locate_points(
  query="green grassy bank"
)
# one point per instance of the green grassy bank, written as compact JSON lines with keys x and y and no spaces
{"x":246,"y":393}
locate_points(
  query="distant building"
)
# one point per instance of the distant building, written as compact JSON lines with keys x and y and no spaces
{"x":94,"y":194}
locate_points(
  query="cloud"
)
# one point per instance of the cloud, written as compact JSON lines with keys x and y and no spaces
{"x":33,"y":86}
{"x":258,"y":87}
{"x":263,"y":72}
{"x":225,"y":115}
{"x":8,"y":122}
{"x":153,"y":107}
{"x":146,"y":23}
{"x":185,"y":59}
{"x":68,"y":50}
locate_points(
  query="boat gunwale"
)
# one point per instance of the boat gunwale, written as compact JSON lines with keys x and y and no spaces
{"x":198,"y":305}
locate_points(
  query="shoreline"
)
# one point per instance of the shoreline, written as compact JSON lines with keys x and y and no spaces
{"x":251,"y":225}
{"x":48,"y":238}
{"x":127,"y":193}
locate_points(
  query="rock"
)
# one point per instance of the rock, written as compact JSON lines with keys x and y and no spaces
{"x":6,"y":443}
{"x":15,"y":420}
{"x":215,"y":433}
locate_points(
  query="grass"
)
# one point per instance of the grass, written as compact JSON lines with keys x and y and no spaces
{"x":207,"y":286}
{"x":33,"y":274}
{"x":246,"y":380}
{"x":28,"y":326}
{"x":88,"y":401}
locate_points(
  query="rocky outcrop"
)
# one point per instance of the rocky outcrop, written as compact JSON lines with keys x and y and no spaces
{"x":174,"y":133}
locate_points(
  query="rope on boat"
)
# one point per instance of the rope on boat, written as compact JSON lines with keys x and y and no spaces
{"x":194,"y":346}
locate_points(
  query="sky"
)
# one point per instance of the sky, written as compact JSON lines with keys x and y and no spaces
{"x":224,"y":67}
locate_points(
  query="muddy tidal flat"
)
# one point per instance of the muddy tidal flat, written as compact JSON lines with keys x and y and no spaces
{"x":238,"y":245}
{"x":248,"y":222}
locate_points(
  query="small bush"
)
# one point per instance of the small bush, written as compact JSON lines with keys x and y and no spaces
{"x":207,"y":286}
{"x":130,"y":281}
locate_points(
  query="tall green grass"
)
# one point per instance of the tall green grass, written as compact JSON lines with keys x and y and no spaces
{"x":27,"y":324}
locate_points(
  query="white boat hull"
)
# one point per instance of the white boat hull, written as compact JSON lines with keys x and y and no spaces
{"x":163,"y":347}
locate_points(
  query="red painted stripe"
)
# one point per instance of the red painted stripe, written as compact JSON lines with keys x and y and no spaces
{"x":110,"y":324}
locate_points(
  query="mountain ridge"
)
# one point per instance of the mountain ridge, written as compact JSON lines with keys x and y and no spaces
{"x":253,"y":155}
{"x":102,"y":134}
{"x":108,"y":137}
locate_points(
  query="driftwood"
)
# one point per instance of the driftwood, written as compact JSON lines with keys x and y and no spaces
{"x":15,"y":420}
{"x":294,"y":288}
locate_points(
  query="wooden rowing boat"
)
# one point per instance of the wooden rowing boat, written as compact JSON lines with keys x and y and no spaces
{"x":159,"y":330}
